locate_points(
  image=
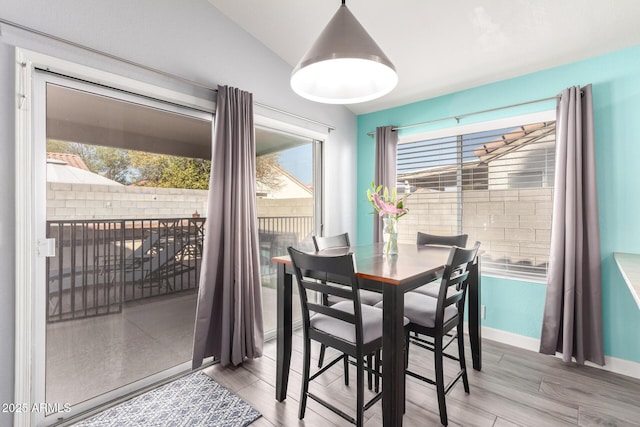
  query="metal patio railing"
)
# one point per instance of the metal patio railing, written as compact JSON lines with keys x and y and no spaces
{"x":101,"y":264}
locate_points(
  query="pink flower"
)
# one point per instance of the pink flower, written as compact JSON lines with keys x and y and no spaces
{"x":391,"y":209}
{"x":385,"y":208}
{"x":377,"y":203}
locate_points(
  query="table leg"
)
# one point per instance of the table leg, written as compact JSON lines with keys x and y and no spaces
{"x":283,"y":359}
{"x":393,"y":356}
{"x":475,"y":334}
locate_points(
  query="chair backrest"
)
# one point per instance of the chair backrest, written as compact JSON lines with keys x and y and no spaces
{"x":339,"y":241}
{"x":455,"y":275}
{"x":320,"y":273}
{"x":432,"y":239}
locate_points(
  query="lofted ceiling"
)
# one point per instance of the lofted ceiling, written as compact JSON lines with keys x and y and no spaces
{"x":440,"y":47}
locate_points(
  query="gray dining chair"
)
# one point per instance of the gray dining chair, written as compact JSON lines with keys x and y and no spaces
{"x":352,"y":328}
{"x":436,"y":318}
{"x":459,"y":240}
{"x":322,"y":243}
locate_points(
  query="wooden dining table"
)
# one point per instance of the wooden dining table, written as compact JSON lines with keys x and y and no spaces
{"x":393,"y":276}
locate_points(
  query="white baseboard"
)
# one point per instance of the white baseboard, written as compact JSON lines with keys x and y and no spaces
{"x":612,"y":364}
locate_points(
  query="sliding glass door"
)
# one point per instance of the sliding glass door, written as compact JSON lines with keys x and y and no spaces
{"x":288,"y":202}
{"x":122,"y":183}
{"x":126,"y":192}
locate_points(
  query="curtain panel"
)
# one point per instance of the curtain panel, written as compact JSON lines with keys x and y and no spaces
{"x":228,"y":322}
{"x":572,"y":320}
{"x":385,"y":167}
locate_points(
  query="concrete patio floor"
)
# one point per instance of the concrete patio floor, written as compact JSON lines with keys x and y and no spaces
{"x":91,"y":356}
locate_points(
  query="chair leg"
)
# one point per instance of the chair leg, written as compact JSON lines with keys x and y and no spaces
{"x":325,"y":301}
{"x":463,"y":363}
{"x":345,"y":359}
{"x":406,"y":366}
{"x":360,"y":392}
{"x":439,"y":367}
{"x":321,"y":355}
{"x":369,"y":373}
{"x":377,"y":374}
{"x":406,"y":349}
{"x":304,"y":389}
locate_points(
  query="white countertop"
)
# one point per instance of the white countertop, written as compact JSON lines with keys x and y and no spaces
{"x":629,"y":265}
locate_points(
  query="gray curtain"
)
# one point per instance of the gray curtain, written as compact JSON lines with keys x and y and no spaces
{"x":572,"y":322}
{"x":385,"y":167}
{"x":229,"y":314}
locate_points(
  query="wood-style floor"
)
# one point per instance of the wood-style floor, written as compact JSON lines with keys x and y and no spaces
{"x":515,"y":388}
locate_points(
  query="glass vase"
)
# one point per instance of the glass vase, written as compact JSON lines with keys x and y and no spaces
{"x":390,"y":235}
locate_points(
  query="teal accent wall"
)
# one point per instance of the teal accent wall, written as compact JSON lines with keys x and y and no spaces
{"x":513,"y":306}
{"x":517,"y":306}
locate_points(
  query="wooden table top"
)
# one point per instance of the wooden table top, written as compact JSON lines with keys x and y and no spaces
{"x":411,"y":261}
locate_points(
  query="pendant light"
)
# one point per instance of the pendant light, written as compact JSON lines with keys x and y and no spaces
{"x":344,"y":65}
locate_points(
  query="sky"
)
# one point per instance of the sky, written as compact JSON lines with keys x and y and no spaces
{"x":298,"y":162}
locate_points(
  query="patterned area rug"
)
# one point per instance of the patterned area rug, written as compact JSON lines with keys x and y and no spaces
{"x":194,"y":400}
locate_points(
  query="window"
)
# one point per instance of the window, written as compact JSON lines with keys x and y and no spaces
{"x":494,"y":183}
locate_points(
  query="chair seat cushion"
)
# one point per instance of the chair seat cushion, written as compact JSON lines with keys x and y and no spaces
{"x":371,"y":323}
{"x":421,"y":309}
{"x":433,"y":289}
{"x":366,"y":298}
{"x":430,"y":289}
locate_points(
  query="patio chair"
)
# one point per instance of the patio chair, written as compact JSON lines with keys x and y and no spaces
{"x":160,"y":256}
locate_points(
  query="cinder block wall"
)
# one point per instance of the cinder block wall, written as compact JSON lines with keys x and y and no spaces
{"x":67,"y":202}
{"x":88,"y":201}
{"x":514,"y":223}
{"x":285,"y":207}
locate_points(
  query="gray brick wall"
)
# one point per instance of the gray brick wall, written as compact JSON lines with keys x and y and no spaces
{"x":86,"y":201}
{"x":285,"y":207}
{"x":514,"y":223}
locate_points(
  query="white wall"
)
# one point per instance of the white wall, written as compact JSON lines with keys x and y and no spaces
{"x":188,"y":38}
{"x":7,"y":225}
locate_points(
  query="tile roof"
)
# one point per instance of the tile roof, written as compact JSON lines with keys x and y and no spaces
{"x":70,"y":159}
